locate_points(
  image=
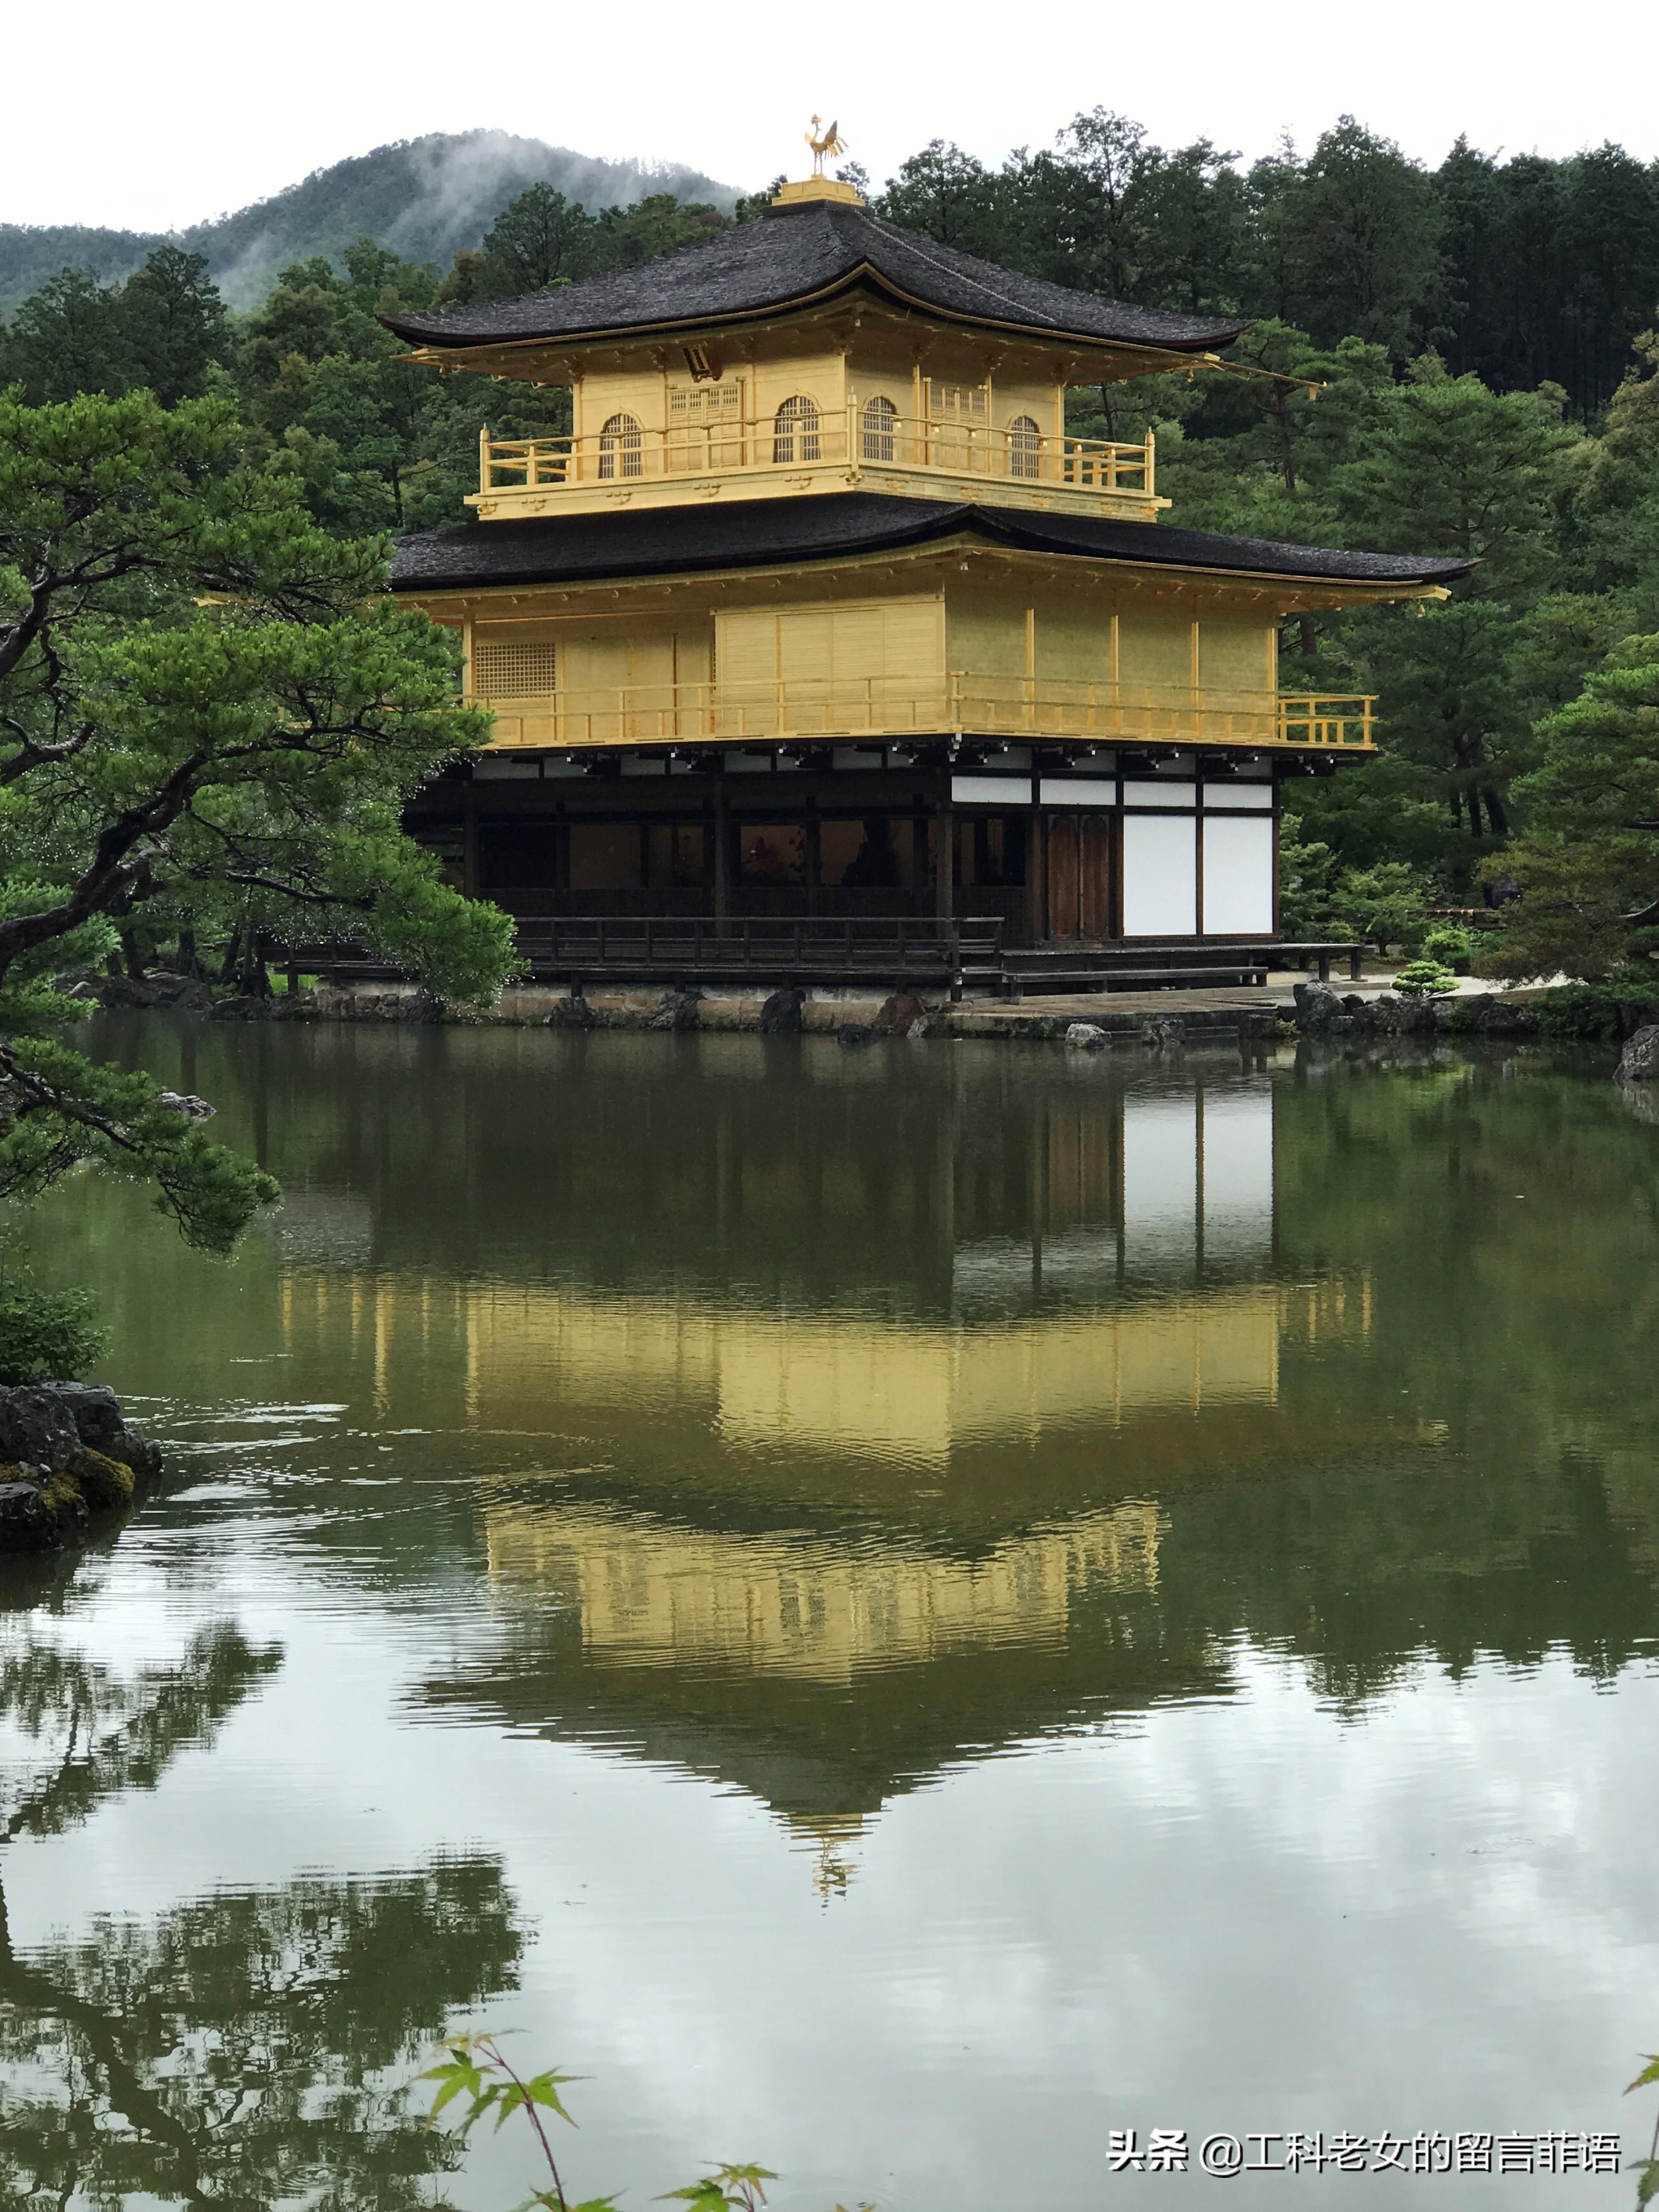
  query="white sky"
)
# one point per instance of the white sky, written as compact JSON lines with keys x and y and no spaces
{"x":146,"y":117}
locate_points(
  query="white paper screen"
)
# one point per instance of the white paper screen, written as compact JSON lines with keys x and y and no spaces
{"x":1238,"y":876}
{"x":1160,"y":875}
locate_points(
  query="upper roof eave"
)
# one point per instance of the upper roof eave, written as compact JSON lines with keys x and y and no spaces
{"x":808,"y":255}
{"x":865,"y":275}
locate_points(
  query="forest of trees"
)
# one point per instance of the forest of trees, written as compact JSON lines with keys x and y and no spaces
{"x":1484,"y":336}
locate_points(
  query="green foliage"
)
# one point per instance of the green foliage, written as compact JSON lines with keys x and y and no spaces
{"x":1572,"y":914}
{"x":1451,"y":946}
{"x":163,"y":329}
{"x":1307,"y":883}
{"x":209,"y":713}
{"x":1424,"y":979}
{"x":477,"y":2079}
{"x":1588,"y":877}
{"x":726,"y":2185}
{"x":1386,"y":904}
{"x":1600,"y":770}
{"x":1612,"y":1008}
{"x":1647,"y":2169}
{"x":46,"y":1335}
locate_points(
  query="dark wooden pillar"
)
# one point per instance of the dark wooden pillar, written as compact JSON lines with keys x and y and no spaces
{"x":945,"y":863}
{"x":1037,"y":877}
{"x":470,"y":842}
{"x":720,"y":859}
{"x":810,"y":859}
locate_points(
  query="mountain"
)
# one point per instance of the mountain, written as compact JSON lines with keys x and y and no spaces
{"x":423,"y":197}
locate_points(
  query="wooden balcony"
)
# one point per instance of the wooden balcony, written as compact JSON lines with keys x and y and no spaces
{"x":754,"y":458}
{"x":897,"y":708}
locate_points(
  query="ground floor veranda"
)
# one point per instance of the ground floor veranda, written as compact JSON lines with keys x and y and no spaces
{"x":1060,"y":846}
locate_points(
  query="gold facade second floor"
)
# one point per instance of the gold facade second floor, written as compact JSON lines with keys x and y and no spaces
{"x":915,"y":650}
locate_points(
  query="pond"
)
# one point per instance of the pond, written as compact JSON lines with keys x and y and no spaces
{"x":898,"y":1612}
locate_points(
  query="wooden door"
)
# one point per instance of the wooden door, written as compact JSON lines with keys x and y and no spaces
{"x":1095,"y":873}
{"x":1080,"y":875}
{"x":1065,"y":879}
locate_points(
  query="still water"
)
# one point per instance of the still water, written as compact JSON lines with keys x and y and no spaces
{"x":898,"y":1612}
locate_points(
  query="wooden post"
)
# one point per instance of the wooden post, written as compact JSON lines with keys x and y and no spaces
{"x":722,"y":857}
{"x":945,"y":862}
{"x":1037,"y":875}
{"x":811,"y":858}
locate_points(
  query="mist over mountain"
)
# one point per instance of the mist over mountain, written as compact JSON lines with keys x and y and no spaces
{"x":423,"y":197}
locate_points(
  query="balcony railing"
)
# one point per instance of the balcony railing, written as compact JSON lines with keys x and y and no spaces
{"x":889,"y":708}
{"x":635,"y":456}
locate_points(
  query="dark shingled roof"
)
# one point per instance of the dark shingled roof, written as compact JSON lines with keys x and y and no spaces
{"x":830,"y":525}
{"x":800,"y":254}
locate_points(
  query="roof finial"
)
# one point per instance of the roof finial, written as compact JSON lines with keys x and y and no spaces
{"x":829,"y":143}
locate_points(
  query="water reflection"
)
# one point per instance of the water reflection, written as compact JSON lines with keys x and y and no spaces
{"x":247,"y":2046}
{"x":972,"y":1472}
{"x":775,"y":1361}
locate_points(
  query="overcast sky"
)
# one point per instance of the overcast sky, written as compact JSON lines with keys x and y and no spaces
{"x":148,"y":117}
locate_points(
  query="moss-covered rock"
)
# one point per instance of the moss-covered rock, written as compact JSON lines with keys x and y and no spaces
{"x":26,"y":1522}
{"x":65,"y":1454}
{"x":66,"y":1503}
{"x":106,"y":1483}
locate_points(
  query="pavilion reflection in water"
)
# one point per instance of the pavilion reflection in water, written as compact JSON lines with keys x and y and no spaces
{"x":815,"y":1551}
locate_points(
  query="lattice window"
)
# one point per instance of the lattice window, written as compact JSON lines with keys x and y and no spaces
{"x":880,"y":420}
{"x":619,"y":448}
{"x":702,"y":402}
{"x":513,"y":671}
{"x":959,"y":402}
{"x":1024,"y":447}
{"x":796,"y":426}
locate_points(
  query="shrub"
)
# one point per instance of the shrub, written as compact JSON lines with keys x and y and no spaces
{"x":1613,"y":1008}
{"x":46,"y":1335}
{"x":1577,"y":915}
{"x":1424,"y":979}
{"x":1452,"y":947}
{"x":1385,"y":904}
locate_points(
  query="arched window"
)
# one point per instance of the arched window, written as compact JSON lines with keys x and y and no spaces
{"x":795,"y":430}
{"x":619,"y":448}
{"x":880,"y":420}
{"x":1024,"y":447}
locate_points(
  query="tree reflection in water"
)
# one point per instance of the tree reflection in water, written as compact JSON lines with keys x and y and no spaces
{"x":243,"y":2048}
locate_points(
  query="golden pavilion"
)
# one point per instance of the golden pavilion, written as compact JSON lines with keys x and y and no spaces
{"x":820,"y":616}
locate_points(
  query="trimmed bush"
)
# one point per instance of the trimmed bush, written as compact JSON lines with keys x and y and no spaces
{"x":1424,"y":979}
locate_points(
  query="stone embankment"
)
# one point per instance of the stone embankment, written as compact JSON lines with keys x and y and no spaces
{"x":68,"y":1459}
{"x":850,"y":1014}
{"x":1321,"y":1011}
{"x":856,"y":1016}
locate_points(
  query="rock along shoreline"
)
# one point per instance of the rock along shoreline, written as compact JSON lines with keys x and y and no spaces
{"x":68,"y":1461}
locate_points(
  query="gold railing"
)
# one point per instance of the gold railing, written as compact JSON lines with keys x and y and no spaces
{"x":729,"y":446}
{"x":1312,"y":720}
{"x":900,"y":708}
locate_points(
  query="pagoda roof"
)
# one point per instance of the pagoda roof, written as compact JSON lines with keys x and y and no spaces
{"x":799,"y":256}
{"x":837,"y":526}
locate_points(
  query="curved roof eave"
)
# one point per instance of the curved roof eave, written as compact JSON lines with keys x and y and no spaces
{"x":800,"y":256}
{"x":500,"y":555}
{"x":420,"y":331}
